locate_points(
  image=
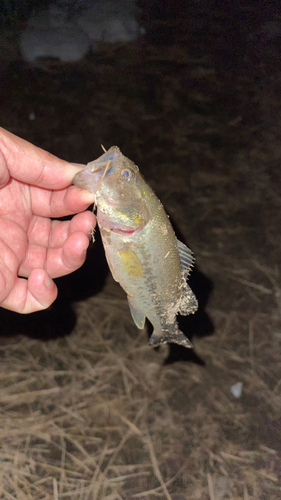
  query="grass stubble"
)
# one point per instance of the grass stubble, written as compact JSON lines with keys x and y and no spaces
{"x":96,"y":415}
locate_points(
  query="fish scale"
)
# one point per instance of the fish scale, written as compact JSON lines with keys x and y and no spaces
{"x":141,"y":248}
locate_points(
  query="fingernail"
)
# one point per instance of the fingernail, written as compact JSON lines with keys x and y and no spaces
{"x":73,"y":168}
{"x":88,"y":196}
{"x":48,"y":281}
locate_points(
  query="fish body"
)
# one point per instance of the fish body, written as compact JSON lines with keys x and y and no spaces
{"x":141,"y":248}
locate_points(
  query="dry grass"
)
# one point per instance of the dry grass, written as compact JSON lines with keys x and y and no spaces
{"x":96,"y":415}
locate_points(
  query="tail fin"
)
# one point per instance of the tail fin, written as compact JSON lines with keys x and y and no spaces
{"x":174,"y":335}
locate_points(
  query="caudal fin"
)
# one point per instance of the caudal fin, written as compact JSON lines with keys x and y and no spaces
{"x":173,"y":335}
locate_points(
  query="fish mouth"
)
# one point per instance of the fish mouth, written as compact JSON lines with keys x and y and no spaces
{"x":87,"y":180}
{"x":92,"y":175}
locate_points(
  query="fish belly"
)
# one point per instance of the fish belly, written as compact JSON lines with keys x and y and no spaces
{"x":149,"y":271}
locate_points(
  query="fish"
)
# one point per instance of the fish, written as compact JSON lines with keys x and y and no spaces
{"x":141,"y":248}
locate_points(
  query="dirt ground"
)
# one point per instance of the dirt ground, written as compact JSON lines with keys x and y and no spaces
{"x":88,"y":410}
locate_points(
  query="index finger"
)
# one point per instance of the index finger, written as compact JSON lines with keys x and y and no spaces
{"x":32,"y":165}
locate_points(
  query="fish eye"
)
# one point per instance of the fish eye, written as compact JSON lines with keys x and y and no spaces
{"x":127,"y":174}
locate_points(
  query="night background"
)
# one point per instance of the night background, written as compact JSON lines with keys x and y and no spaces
{"x":191,"y":92}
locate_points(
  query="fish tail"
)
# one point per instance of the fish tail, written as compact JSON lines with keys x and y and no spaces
{"x":173,"y":335}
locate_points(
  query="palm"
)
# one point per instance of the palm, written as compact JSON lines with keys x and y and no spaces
{"x":36,"y":241}
{"x":34,"y":190}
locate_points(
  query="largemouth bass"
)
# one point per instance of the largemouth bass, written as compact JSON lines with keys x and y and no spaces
{"x":141,"y":248}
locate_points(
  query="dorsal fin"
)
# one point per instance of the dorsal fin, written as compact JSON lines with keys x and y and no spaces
{"x":186,"y":258}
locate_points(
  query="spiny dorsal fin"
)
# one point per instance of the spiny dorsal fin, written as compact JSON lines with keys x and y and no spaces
{"x":186,"y":258}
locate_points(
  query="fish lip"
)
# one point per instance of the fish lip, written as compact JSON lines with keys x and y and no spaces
{"x":92,"y":179}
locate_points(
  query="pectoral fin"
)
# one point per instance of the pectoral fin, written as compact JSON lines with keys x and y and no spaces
{"x":137,"y":315}
{"x":131,"y":263}
{"x":186,"y":258}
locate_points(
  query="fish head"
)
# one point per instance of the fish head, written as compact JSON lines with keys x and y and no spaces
{"x":121,"y":192}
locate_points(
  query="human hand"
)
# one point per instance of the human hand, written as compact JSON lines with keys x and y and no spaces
{"x":35,"y":187}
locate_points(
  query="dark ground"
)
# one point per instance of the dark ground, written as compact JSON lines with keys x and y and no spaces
{"x":93,"y":413}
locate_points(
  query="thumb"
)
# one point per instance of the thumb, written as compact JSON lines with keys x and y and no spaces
{"x":36,"y":293}
{"x":4,"y":172}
